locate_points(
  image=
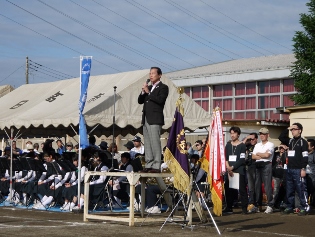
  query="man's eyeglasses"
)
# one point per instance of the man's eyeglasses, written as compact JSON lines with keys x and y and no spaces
{"x":294,"y":129}
{"x":262,"y":133}
{"x":197,"y":144}
{"x":69,"y":145}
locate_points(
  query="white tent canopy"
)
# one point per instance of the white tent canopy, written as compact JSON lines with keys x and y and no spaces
{"x":48,"y":109}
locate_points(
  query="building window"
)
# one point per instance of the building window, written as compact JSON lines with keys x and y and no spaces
{"x":240,"y":89}
{"x":263,"y":102}
{"x":226,"y":115}
{"x":205,"y":105}
{"x":287,"y":101}
{"x":205,"y":92}
{"x":263,"y":87}
{"x":250,"y":88}
{"x":217,"y":91}
{"x":239,"y":115}
{"x":187,"y":91}
{"x":275,"y":86}
{"x":250,"y":115}
{"x":227,"y":90}
{"x":288,"y":85}
{"x":240,"y":103}
{"x":227,"y":104}
{"x":251,"y":103}
{"x":196,"y":92}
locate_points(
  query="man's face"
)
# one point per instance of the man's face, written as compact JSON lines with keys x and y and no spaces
{"x":296,"y":132}
{"x":137,"y":144}
{"x":263,"y":136}
{"x":310,"y":148}
{"x":198,"y":146}
{"x":48,"y":159}
{"x":59,"y":144}
{"x":14,"y":144}
{"x":253,"y":140}
{"x":234,"y":135}
{"x":154,"y":76}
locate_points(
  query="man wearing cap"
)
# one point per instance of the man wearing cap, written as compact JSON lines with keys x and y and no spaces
{"x":297,"y":159}
{"x":263,"y":154}
{"x":138,"y":148}
{"x":103,"y":145}
{"x":153,"y":98}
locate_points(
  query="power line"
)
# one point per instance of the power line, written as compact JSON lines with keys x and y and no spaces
{"x":149,"y":11}
{"x":38,"y":69}
{"x":110,"y":38}
{"x":51,"y":69}
{"x":160,"y":36}
{"x":80,"y":53}
{"x":12,"y":73}
{"x":79,"y":38}
{"x":35,"y":69}
{"x":206,"y":22}
{"x":130,"y":32}
{"x":243,"y":25}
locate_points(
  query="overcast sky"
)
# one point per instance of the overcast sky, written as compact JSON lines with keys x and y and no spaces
{"x":127,"y":35}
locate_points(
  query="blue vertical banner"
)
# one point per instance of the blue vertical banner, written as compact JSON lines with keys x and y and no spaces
{"x":85,"y":66}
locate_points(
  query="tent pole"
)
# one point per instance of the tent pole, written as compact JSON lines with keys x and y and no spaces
{"x":115,"y":87}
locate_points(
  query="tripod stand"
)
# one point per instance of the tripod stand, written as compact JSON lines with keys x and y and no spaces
{"x":192,"y":196}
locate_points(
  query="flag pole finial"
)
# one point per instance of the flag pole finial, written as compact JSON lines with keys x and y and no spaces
{"x":180,"y":100}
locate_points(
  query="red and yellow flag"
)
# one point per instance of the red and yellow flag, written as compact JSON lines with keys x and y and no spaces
{"x":213,"y":160}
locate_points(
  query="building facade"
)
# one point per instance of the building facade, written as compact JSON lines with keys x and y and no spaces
{"x":247,"y":90}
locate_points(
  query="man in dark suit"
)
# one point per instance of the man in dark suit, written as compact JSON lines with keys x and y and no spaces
{"x":153,"y":98}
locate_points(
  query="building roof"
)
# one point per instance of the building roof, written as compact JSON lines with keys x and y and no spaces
{"x":244,"y":65}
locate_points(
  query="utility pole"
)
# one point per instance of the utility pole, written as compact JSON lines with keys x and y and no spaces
{"x":26,"y":72}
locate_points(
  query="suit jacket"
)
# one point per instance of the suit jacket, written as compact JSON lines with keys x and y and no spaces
{"x":153,"y":104}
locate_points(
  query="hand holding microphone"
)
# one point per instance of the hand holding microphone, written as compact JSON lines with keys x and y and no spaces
{"x":145,"y":88}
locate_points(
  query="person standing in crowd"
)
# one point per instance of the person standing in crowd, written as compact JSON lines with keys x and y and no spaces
{"x":278,"y":176}
{"x":250,"y":142}
{"x":296,"y":163}
{"x":263,"y":154}
{"x":60,"y":148}
{"x":235,"y":163}
{"x":113,"y":149}
{"x":199,"y":148}
{"x":311,"y":175}
{"x":69,"y":147}
{"x":153,"y":98}
{"x":103,"y":146}
{"x":138,"y":147}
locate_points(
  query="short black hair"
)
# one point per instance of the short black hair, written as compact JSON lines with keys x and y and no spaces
{"x":312,"y":142}
{"x":159,"y":71}
{"x":299,"y":126}
{"x":194,"y":156}
{"x":235,"y":129}
{"x":255,"y":134}
{"x":92,"y":140}
{"x":199,"y":142}
{"x":126,"y":155}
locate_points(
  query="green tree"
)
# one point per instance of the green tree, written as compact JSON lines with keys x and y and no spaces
{"x":303,"y":70}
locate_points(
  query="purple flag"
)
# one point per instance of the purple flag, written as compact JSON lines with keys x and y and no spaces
{"x":175,"y":154}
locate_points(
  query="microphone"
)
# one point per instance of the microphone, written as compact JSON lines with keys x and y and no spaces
{"x":148,"y":80}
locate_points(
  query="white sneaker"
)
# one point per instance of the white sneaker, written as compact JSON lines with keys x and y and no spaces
{"x":269,"y":210}
{"x":154,"y":210}
{"x":40,"y":207}
{"x":76,"y":208}
{"x":65,"y":206}
{"x":72,"y":205}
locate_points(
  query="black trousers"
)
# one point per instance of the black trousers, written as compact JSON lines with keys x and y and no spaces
{"x":230,"y":192}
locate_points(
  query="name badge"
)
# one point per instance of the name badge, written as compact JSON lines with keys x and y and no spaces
{"x":242,"y":156}
{"x":232,"y":158}
{"x":285,"y":166}
{"x":291,"y":153}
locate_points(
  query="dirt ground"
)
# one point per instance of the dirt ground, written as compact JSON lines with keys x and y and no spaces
{"x":22,"y":222}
